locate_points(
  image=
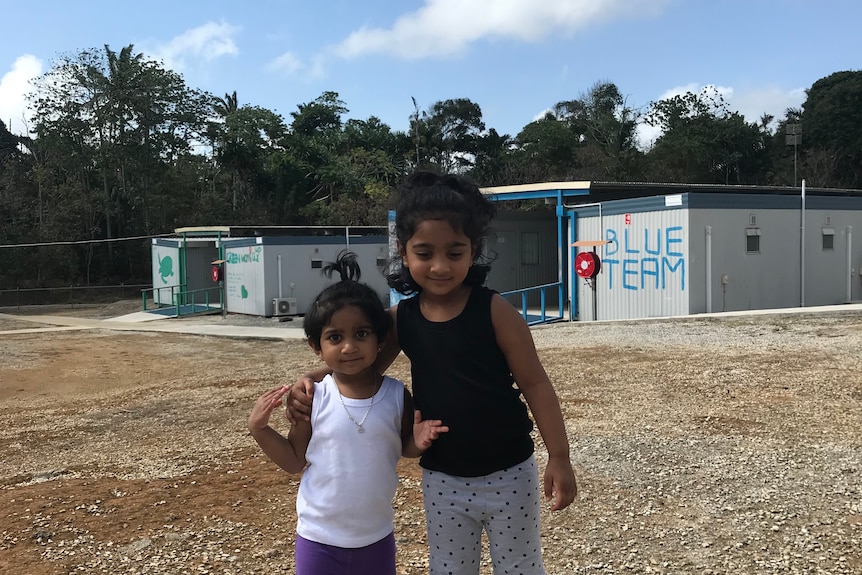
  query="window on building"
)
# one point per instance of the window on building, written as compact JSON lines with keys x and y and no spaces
{"x":529,"y":248}
{"x":828,"y":239}
{"x":752,"y":240}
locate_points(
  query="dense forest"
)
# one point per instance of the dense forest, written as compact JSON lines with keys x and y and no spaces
{"x":121,"y":147}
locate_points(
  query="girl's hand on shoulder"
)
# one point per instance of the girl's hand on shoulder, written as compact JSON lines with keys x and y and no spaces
{"x":560,"y":484}
{"x":258,"y":420}
{"x":425,"y":432}
{"x":299,"y":399}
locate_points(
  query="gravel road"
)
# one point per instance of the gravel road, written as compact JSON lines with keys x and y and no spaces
{"x":701,"y":445}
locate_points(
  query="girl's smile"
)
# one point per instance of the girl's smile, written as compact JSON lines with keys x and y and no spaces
{"x":438,"y":257}
{"x":349,"y":346}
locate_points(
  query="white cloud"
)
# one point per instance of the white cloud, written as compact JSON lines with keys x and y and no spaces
{"x":14,"y":87}
{"x":204,"y":43}
{"x":771,"y":100}
{"x":288,"y":63}
{"x":444,"y":28}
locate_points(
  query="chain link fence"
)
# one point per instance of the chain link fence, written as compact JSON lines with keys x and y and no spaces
{"x":69,"y":296}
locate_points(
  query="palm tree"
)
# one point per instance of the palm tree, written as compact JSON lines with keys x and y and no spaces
{"x":225,"y":143}
{"x":226,"y":106}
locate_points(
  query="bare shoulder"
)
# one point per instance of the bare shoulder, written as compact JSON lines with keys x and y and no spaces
{"x":502,"y":310}
{"x":515,"y":339}
{"x":508,"y":323}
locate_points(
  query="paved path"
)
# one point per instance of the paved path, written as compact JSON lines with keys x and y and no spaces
{"x":148,"y":322}
{"x":142,"y":321}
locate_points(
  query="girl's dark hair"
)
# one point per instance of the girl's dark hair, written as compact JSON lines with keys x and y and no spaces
{"x":346,"y":292}
{"x":451,"y":198}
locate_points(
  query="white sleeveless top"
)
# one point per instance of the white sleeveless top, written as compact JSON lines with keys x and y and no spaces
{"x":346,"y":491}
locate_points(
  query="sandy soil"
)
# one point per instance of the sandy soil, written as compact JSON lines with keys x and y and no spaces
{"x":128,"y":453}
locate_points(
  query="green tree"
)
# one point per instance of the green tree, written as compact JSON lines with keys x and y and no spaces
{"x":831,"y":117}
{"x":702,"y":141}
{"x":546,"y":151}
{"x":605,"y":129}
{"x":447,"y":135}
{"x":494,"y":159}
{"x":244,"y":141}
{"x":317,"y":142}
{"x":108,"y":125}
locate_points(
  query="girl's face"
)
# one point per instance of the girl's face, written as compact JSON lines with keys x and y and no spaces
{"x":348,"y":343}
{"x":438,"y":257}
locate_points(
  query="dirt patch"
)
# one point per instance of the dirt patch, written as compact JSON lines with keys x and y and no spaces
{"x":700,"y":447}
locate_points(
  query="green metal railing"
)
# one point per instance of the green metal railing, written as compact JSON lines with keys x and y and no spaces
{"x":186,"y":302}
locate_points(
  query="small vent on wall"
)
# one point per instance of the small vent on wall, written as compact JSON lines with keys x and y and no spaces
{"x":752,"y":220}
{"x":828,"y":220}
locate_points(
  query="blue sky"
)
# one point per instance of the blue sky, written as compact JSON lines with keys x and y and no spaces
{"x":514,"y":58}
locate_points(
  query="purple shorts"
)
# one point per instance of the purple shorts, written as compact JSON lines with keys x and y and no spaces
{"x":320,"y":559}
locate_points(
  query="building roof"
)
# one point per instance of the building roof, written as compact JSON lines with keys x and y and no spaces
{"x":269,"y":231}
{"x":606,"y":191}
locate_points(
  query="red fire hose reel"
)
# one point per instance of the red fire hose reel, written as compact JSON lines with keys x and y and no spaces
{"x":587,"y":265}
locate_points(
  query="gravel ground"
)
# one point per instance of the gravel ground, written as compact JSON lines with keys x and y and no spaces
{"x":701,"y":445}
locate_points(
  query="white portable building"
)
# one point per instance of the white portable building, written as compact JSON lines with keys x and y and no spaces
{"x":265,"y":271}
{"x":678,"y":249}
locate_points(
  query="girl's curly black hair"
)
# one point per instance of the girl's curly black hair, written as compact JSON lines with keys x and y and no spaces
{"x":451,"y":198}
{"x":346,"y":292}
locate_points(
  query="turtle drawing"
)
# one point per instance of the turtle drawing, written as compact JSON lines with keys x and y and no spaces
{"x":166,"y":268}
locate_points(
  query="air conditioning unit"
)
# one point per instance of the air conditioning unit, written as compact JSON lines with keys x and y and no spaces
{"x":284,"y":306}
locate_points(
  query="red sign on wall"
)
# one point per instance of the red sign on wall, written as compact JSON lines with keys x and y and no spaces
{"x":628,"y":219}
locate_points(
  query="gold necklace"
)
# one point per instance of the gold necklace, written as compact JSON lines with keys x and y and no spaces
{"x":358,"y":424}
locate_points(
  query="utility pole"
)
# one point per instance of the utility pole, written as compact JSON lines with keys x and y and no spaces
{"x":416,"y":128}
{"x":794,"y":138}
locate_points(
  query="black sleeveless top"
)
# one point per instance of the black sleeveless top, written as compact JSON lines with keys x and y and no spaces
{"x":461,"y":377}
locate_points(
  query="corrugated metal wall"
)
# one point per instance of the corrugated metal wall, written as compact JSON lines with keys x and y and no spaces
{"x":646,"y":264}
{"x":661,"y":262}
{"x":525,"y":251}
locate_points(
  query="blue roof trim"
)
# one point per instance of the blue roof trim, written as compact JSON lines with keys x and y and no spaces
{"x":537,"y":195}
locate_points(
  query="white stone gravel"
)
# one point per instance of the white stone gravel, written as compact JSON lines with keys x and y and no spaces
{"x":704,"y":445}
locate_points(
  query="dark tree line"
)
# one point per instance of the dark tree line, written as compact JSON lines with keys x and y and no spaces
{"x":122,"y":147}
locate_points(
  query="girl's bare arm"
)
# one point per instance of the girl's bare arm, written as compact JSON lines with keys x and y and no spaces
{"x":286,"y":452}
{"x":515,"y":340}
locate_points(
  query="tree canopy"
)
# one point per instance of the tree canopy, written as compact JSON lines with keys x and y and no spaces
{"x":123,"y":147}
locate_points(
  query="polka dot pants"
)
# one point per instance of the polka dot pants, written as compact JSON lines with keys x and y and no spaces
{"x":505,"y":504}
